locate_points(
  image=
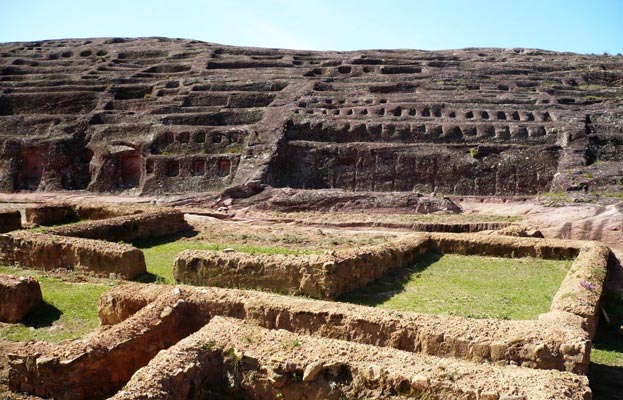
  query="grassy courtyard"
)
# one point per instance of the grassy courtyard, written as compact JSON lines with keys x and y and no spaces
{"x":69,"y":310}
{"x":469,"y":286}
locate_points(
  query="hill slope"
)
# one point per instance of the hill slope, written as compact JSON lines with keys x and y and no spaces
{"x":156,"y":115}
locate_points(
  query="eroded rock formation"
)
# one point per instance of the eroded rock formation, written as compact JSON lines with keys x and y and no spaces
{"x":160,"y":115}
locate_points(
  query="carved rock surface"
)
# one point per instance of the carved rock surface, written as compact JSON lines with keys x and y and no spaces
{"x":157,"y":115}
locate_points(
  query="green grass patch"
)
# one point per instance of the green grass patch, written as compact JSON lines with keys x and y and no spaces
{"x":606,"y":356}
{"x":468,"y":286}
{"x":160,"y":254}
{"x":69,"y":310}
{"x":608,"y":342}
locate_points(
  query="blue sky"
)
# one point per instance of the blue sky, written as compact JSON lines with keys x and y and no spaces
{"x":583,"y":26}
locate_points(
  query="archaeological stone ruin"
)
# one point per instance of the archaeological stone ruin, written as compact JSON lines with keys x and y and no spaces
{"x":284,"y":180}
{"x":161,"y":116}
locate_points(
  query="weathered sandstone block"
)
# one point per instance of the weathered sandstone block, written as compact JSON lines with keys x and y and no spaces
{"x":50,"y":214}
{"x":18,"y":296}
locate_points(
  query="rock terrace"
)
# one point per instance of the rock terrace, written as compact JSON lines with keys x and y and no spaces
{"x":157,"y":115}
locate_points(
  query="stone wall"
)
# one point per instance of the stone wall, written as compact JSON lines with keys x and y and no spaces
{"x":128,"y":228}
{"x":104,"y":211}
{"x":328,"y":276}
{"x":10,"y":221}
{"x":50,"y":214}
{"x":324,"y":276}
{"x":152,"y":318}
{"x":505,"y":246}
{"x":96,"y":368}
{"x":166,"y":314}
{"x":580,"y":291}
{"x":18,"y":296}
{"x":49,"y":252}
{"x":471,"y":339}
{"x":262,"y":363}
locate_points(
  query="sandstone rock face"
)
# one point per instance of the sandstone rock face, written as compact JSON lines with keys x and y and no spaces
{"x":17,"y":297}
{"x":158,"y":115}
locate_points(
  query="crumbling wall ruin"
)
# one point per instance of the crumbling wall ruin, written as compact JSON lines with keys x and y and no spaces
{"x":93,"y":245}
{"x":50,"y":214}
{"x":486,"y":355}
{"x":557,"y":340}
{"x":328,"y":276}
{"x":231,"y":358}
{"x":162,"y":317}
{"x":49,"y":252}
{"x":320,"y":276}
{"x":128,"y":228}
{"x":101,"y":365}
{"x":18,"y":296}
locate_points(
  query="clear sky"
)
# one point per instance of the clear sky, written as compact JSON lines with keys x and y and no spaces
{"x":583,"y":26}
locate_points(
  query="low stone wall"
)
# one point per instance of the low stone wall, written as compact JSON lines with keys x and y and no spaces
{"x":558,"y":340}
{"x":534,"y":343}
{"x":580,"y":292}
{"x":48,"y":252}
{"x":128,"y":228}
{"x":467,"y":227}
{"x":328,"y":276}
{"x":99,"y":366}
{"x":50,"y":214}
{"x":261,"y":363}
{"x":320,"y":276}
{"x":102,"y":364}
{"x":54,"y":214}
{"x":505,"y":246}
{"x":18,"y":296}
{"x":10,"y":221}
{"x":104,"y":211}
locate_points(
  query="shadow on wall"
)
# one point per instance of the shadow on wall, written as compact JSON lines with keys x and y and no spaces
{"x":30,"y":169}
{"x":380,"y":291}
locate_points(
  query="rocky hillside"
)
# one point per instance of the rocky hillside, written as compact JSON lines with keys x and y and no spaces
{"x":161,"y":115}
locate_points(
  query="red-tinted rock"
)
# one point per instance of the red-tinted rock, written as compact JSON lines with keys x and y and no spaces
{"x":18,"y":296}
{"x":157,"y":115}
